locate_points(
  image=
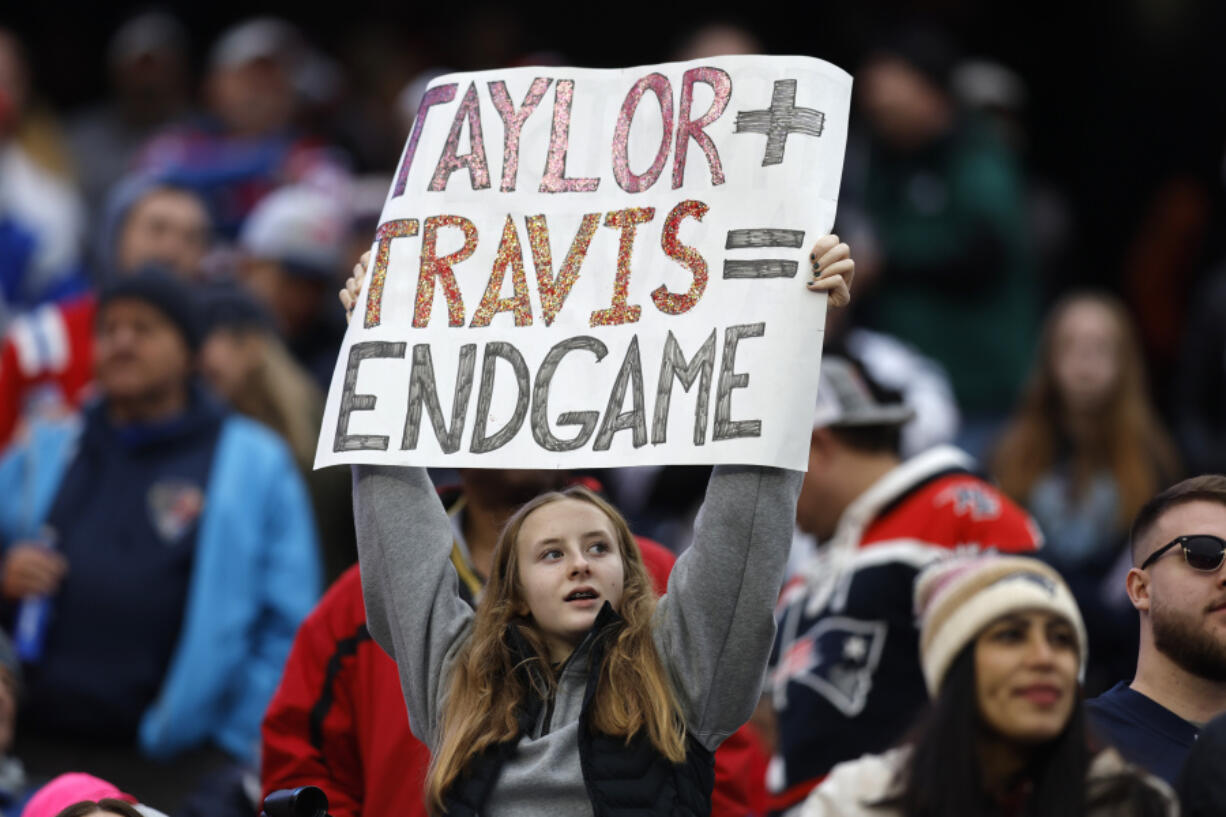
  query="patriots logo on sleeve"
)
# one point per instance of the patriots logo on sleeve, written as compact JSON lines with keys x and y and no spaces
{"x":836,"y":657}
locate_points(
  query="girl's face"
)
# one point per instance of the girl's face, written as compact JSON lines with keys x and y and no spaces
{"x":569,"y":566}
{"x":1086,"y":355}
{"x":1026,"y":676}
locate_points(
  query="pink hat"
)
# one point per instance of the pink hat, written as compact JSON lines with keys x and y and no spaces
{"x":70,"y":788}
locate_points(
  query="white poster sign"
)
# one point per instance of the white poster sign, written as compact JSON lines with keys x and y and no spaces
{"x":591,"y":268}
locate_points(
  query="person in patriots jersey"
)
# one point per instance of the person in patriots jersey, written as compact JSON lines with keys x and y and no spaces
{"x":845,"y":677}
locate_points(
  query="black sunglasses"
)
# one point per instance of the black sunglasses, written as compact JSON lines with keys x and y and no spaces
{"x":1202,"y":551}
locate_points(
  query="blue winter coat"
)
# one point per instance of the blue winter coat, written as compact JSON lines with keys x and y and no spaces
{"x":255,"y":577}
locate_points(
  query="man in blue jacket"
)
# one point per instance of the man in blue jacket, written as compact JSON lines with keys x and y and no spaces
{"x":176,"y":547}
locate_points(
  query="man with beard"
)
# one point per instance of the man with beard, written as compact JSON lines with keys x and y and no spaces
{"x":1178,"y":586}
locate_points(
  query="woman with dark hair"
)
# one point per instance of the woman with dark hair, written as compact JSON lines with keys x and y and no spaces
{"x":1002,"y":644}
{"x":102,"y":808}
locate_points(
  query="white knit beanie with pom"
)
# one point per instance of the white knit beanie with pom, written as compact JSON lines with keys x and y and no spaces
{"x":957,"y":598}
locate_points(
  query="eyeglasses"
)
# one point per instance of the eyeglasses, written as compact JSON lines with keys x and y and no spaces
{"x":1202,"y":551}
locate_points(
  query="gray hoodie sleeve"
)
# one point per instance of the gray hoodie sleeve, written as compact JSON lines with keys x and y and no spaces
{"x":715,"y":626}
{"x":413,"y":605}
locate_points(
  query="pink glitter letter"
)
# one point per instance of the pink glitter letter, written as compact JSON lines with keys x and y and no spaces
{"x":626,"y":178}
{"x":449,"y":162}
{"x":668,"y":302}
{"x":434,"y":96}
{"x":388,"y":231}
{"x":722,"y":83}
{"x":626,"y":221}
{"x":513,"y":123}
{"x":434,"y":267}
{"x":554,"y":180}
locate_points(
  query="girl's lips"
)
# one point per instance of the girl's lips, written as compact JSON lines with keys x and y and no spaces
{"x":1040,"y":694}
{"x":590,"y":595}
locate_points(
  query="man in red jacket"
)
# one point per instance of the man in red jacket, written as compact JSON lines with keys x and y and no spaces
{"x":338,"y":719}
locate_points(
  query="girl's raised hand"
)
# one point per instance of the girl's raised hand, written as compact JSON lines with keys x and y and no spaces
{"x":349,"y":295}
{"x":833,"y":269}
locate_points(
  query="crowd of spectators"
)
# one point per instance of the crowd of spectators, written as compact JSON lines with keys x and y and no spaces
{"x":169,"y":259}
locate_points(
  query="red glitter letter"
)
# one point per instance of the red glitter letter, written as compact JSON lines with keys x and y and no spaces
{"x":513,"y":124}
{"x":449,"y":162}
{"x":386,"y":233}
{"x":554,"y":180}
{"x":626,"y":179}
{"x":621,"y":312}
{"x":553,"y":291}
{"x":722,"y":84}
{"x":668,"y":302}
{"x":432,"y":266}
{"x":437,"y":94}
{"x":510,"y":253}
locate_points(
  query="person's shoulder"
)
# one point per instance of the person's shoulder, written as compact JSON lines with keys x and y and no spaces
{"x":858,"y":787}
{"x":244,"y":431}
{"x":340,"y":616}
{"x":1122,"y":702}
{"x":961,"y":508}
{"x":658,"y":560}
{"x":1130,"y":720}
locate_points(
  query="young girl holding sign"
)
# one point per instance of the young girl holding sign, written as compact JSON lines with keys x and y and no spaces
{"x":571,"y":690}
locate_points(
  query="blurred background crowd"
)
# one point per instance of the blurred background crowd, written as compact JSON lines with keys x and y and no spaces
{"x":1034,"y":197}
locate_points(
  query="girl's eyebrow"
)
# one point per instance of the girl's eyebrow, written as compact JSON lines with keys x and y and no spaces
{"x":555,"y":540}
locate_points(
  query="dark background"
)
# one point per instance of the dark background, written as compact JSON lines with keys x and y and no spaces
{"x":1124,"y":99}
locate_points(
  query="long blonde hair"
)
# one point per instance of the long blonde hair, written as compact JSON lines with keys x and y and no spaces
{"x":1128,"y":440}
{"x":485,"y":691}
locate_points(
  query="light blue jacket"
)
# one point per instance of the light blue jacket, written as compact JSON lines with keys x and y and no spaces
{"x":255,"y":577}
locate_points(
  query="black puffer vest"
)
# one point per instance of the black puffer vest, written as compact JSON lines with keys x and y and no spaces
{"x":622,"y":780}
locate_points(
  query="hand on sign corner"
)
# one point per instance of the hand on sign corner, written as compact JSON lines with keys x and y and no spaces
{"x":31,"y":570}
{"x":349,"y":295}
{"x":833,"y":269}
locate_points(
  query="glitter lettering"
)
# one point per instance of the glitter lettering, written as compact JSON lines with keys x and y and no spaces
{"x":627,"y":221}
{"x":434,"y":96}
{"x":693,"y":129}
{"x":449,"y":162}
{"x":513,"y":124}
{"x":434,"y":267}
{"x":554,"y":180}
{"x":627,"y":179}
{"x":510,"y":254}
{"x":553,"y":291}
{"x":668,"y":302}
{"x":387,"y":232}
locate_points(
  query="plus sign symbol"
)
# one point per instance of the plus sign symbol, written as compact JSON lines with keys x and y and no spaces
{"x":779,"y":120}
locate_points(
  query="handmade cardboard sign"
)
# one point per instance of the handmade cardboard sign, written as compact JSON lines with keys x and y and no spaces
{"x":588,"y":268}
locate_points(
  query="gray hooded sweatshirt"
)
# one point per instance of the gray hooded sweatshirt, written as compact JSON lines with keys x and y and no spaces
{"x":713,"y":629}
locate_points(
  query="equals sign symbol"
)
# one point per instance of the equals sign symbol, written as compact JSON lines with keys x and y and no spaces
{"x":762,"y":239}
